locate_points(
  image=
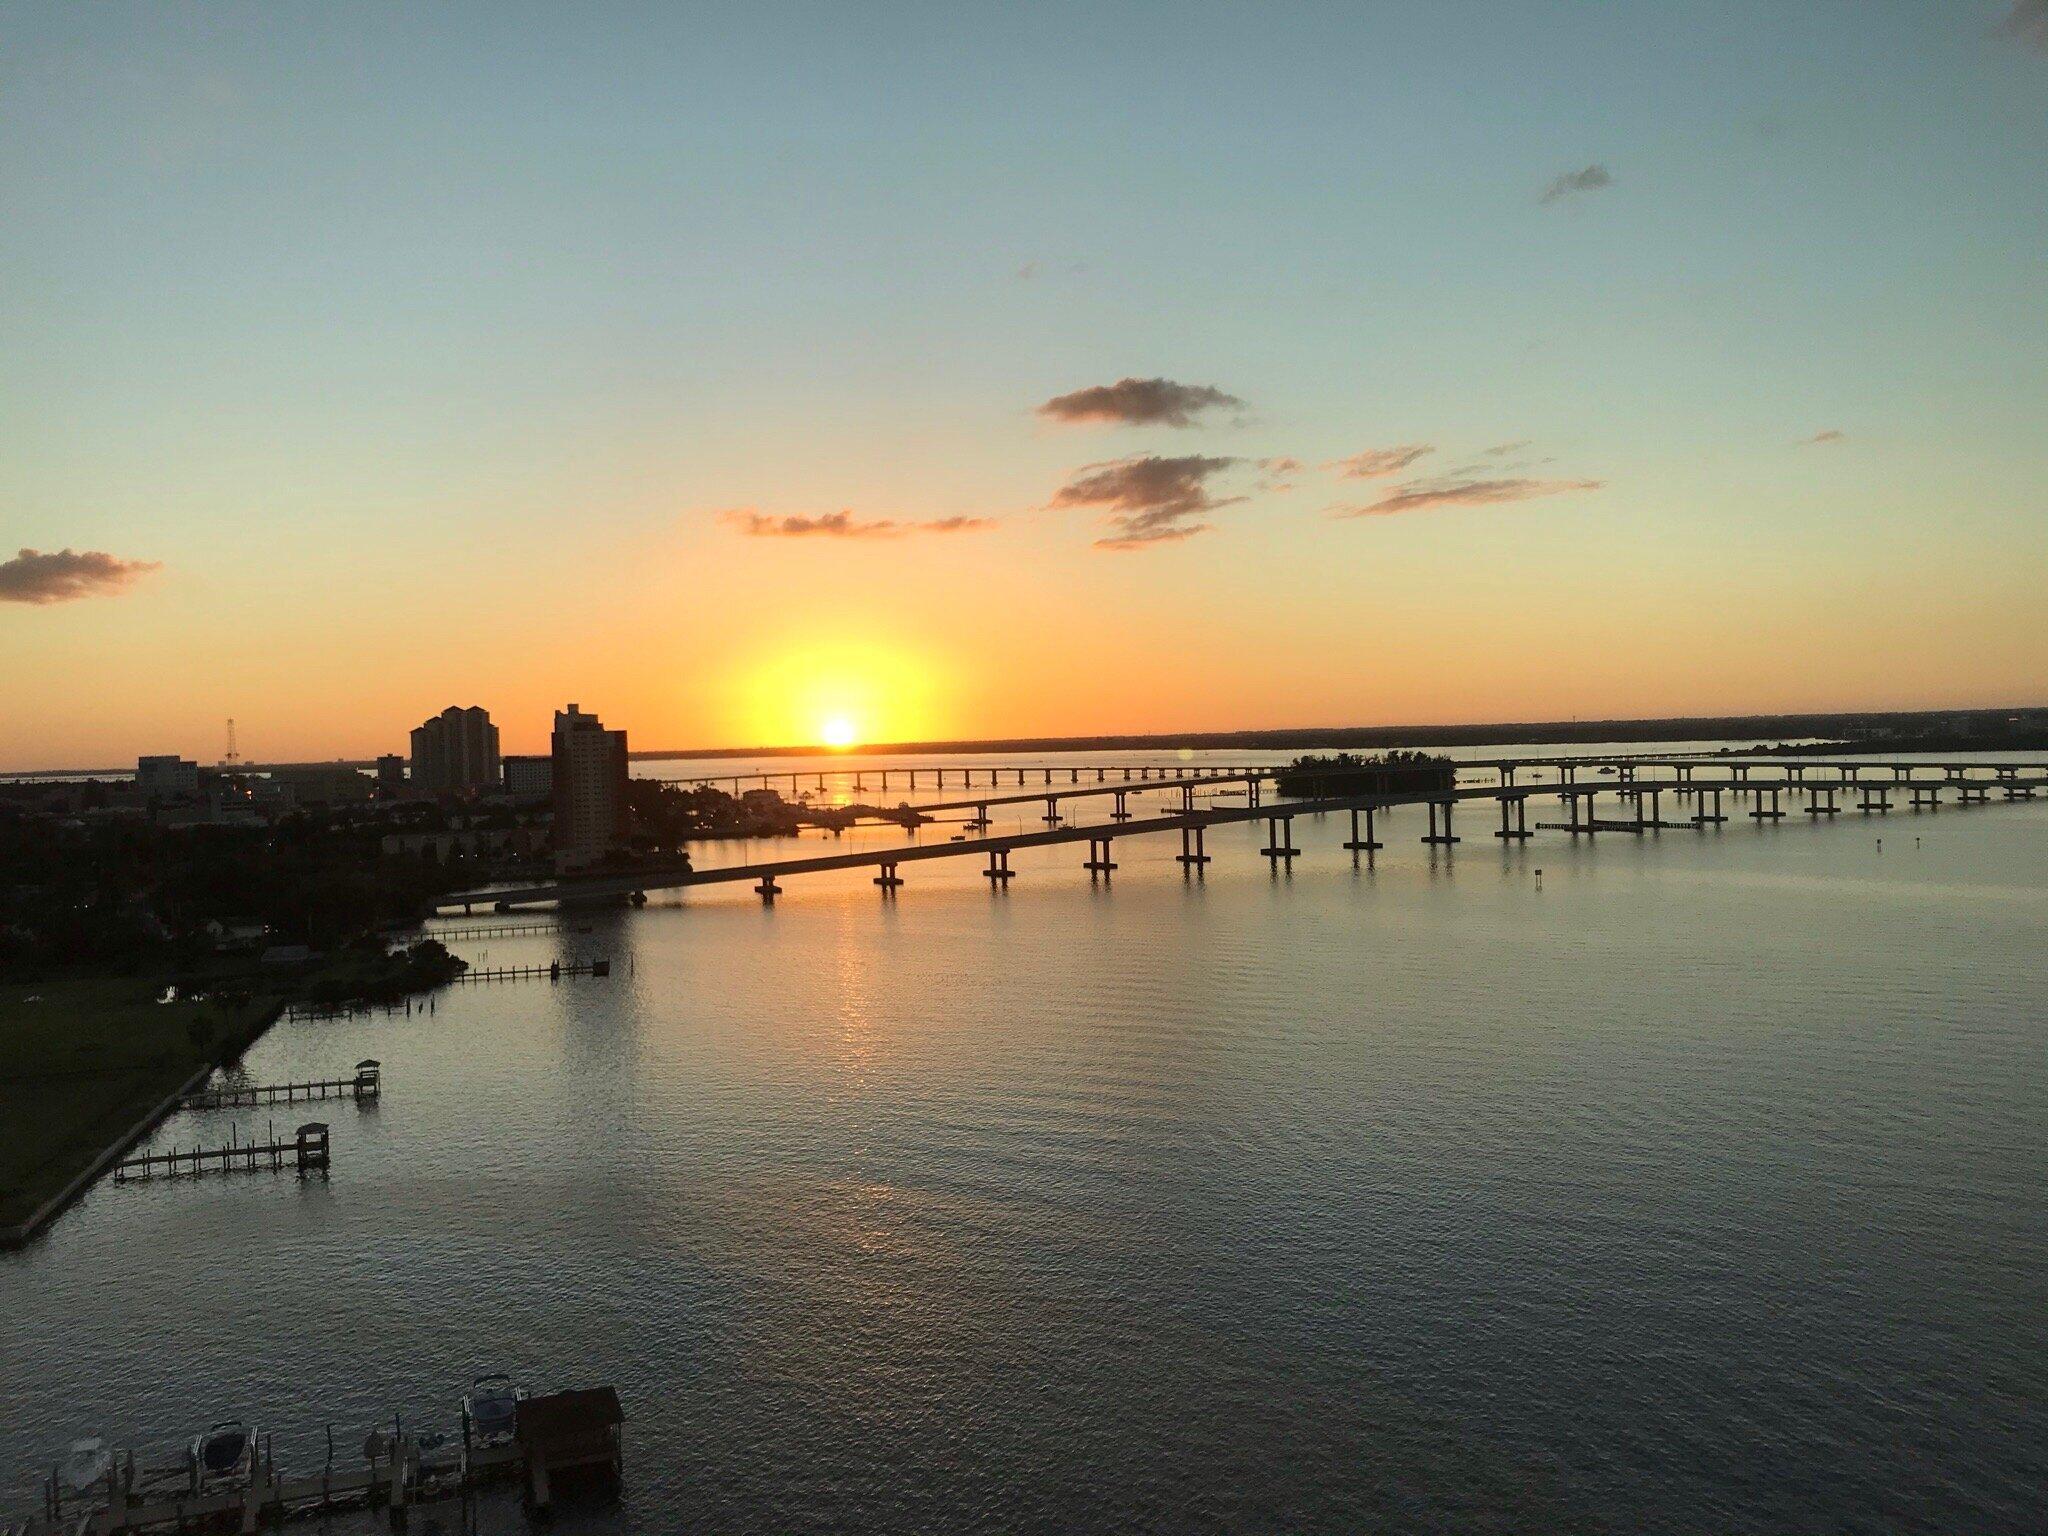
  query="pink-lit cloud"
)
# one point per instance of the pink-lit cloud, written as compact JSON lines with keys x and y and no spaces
{"x":1139,"y":403}
{"x":1149,"y":499}
{"x":843,"y":525}
{"x":1421,"y":495}
{"x":64,"y":575}
{"x":1374,"y":462}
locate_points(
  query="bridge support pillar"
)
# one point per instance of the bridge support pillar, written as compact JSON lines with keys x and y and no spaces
{"x":1367,"y":843}
{"x":1052,"y":811}
{"x":1772,"y":812}
{"x":979,"y":823}
{"x":1821,"y":802}
{"x":1251,"y":791}
{"x":1514,"y":817}
{"x":1099,"y":861}
{"x":889,"y":880}
{"x":1187,"y":797}
{"x":1191,"y":854}
{"x":1876,"y":797}
{"x":768,"y":889}
{"x":998,"y":870}
{"x":1445,"y":835}
{"x":1703,"y":816}
{"x":1120,"y":813}
{"x":1280,"y":840}
{"x":1927,"y":797}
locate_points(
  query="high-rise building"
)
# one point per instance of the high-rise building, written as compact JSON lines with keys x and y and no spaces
{"x":589,"y":787}
{"x":391,"y":775}
{"x":455,"y":753}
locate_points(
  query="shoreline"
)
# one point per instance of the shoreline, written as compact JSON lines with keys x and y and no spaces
{"x":25,"y":1231}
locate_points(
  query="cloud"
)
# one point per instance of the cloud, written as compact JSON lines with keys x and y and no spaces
{"x":1831,"y":435}
{"x":1139,"y":403}
{"x":1374,"y":462}
{"x":1421,"y":495}
{"x":2027,"y":25}
{"x":1029,"y":271}
{"x":64,"y":575}
{"x":1151,"y":500}
{"x":1591,"y":179}
{"x":1280,"y":472}
{"x":842,"y":525}
{"x":1502,"y":450}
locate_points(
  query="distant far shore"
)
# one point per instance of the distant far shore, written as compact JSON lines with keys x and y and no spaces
{"x":1948,"y":730}
{"x":1991,"y":724}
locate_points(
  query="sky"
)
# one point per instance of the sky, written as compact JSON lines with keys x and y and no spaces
{"x":943,"y":371}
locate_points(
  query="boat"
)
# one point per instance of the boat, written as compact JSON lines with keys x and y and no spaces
{"x":223,"y":1457}
{"x":490,"y":1410}
{"x":87,"y":1464}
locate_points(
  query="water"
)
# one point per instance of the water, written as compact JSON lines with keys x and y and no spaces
{"x":1700,"y":1190}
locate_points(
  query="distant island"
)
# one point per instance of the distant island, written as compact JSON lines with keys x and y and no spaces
{"x":1347,"y":773}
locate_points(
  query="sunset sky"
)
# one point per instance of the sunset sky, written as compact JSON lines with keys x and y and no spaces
{"x":969,"y":370}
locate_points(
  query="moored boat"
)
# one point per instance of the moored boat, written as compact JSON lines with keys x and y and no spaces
{"x":223,"y":1457}
{"x":490,"y":1410}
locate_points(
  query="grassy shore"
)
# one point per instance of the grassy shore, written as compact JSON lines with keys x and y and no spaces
{"x":84,"y":1059}
{"x":81,"y":1060}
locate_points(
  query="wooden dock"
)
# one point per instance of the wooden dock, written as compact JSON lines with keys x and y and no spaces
{"x":505,"y":930}
{"x":560,"y":1433}
{"x":305,"y":1152}
{"x":554,"y":970}
{"x":367,"y":1083}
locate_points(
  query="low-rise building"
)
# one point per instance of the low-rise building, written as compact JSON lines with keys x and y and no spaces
{"x":530,"y":778}
{"x":167,"y":778}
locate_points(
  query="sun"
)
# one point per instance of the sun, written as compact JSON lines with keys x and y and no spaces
{"x":838,"y":732}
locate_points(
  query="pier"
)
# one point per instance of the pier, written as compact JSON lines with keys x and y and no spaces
{"x":554,"y":970}
{"x":557,"y":1435}
{"x":306,"y":1152}
{"x":367,"y":1083}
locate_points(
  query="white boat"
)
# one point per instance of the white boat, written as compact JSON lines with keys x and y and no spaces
{"x":490,"y":1410}
{"x":87,"y":1464}
{"x":223,"y":1457}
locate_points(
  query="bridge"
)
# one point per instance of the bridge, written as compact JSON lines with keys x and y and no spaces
{"x":1972,"y":784}
{"x":965,"y":776}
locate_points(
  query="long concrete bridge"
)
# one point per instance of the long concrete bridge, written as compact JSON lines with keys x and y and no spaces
{"x":1969,"y":783}
{"x":937,"y":776}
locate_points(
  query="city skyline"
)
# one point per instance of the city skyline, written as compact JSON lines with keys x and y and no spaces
{"x":789,"y":378}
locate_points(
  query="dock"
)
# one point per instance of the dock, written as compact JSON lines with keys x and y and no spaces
{"x":554,"y":970}
{"x":367,"y":1083}
{"x":305,"y":1152}
{"x":558,"y":1436}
